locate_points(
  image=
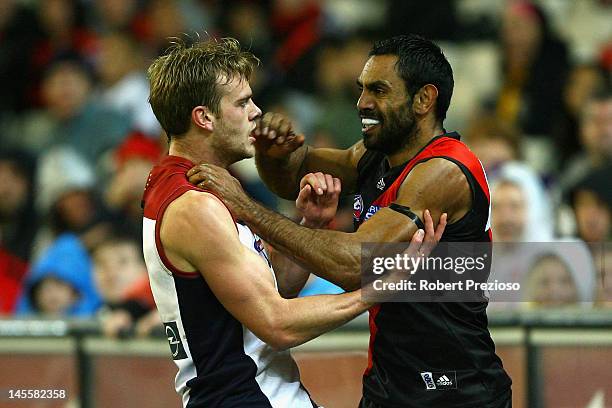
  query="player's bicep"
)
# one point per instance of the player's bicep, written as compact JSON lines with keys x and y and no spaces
{"x":244,"y":285}
{"x":205,"y":235}
{"x":438,"y":185}
{"x":338,"y":163}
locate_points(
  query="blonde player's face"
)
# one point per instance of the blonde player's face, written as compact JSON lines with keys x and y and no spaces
{"x":236,"y":121}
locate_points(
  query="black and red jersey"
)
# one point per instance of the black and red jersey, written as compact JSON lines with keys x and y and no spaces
{"x":431,"y":354}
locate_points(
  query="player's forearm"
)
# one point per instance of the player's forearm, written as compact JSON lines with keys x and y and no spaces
{"x":332,"y":255}
{"x":309,"y":317}
{"x":282,"y":176}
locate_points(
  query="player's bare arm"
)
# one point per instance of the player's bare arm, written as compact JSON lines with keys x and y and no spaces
{"x":198,"y":234}
{"x":333,"y":255}
{"x":318,"y":209}
{"x":282,"y":159}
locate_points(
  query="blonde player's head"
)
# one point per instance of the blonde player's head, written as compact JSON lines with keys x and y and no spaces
{"x":193,"y":74}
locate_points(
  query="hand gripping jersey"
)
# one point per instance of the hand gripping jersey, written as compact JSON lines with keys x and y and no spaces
{"x":430,"y":354}
{"x":221,"y":363}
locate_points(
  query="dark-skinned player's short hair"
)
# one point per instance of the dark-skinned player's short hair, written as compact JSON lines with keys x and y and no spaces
{"x":420,"y":62}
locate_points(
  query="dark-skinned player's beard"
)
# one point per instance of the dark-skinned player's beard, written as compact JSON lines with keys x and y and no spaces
{"x":396,"y":130}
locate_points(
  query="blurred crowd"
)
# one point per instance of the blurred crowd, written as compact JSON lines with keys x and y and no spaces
{"x":533,"y":99}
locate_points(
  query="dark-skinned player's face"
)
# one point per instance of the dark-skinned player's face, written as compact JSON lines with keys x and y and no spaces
{"x":385,"y":108}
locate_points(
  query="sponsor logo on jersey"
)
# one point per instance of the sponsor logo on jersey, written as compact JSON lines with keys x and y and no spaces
{"x":258,"y":245}
{"x":261,"y":250}
{"x":357,"y":207}
{"x":381,"y":184}
{"x":428,"y":379}
{"x":371,"y":211}
{"x":174,"y":340}
{"x":442,"y":380}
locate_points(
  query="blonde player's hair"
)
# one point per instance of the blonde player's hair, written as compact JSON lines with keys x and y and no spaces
{"x":190,"y":74}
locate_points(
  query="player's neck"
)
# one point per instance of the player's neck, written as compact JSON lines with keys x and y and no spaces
{"x":196,"y":152}
{"x":422,"y":137}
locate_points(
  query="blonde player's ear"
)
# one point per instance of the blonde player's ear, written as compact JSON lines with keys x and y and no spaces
{"x":203,"y":118}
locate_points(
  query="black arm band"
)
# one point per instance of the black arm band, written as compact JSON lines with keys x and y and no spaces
{"x":406,"y":211}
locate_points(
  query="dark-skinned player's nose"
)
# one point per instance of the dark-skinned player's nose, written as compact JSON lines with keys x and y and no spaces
{"x":365,"y":103}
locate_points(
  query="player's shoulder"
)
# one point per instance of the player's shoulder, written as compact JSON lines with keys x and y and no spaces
{"x":195,"y":203}
{"x":439,"y":168}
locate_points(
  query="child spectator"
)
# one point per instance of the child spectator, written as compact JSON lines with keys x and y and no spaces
{"x":60,"y":283}
{"x":122,"y":281}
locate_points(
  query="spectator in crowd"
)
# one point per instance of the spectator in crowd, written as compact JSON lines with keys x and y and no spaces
{"x":513,"y":227}
{"x":60,"y":283}
{"x":550,"y":283}
{"x":336,"y":65}
{"x":508,"y":211}
{"x":166,"y":20}
{"x":591,"y":200}
{"x":560,"y":274}
{"x":534,"y":68}
{"x":63,"y":30}
{"x":582,"y":84}
{"x":68,"y":201}
{"x":134,"y":159}
{"x":297,"y":28}
{"x":72,"y":116}
{"x":119,"y":15}
{"x":18,"y":224}
{"x":12,"y":276}
{"x":493,"y":141}
{"x":603,"y":263}
{"x":124,"y":86}
{"x":122,"y":281}
{"x":18,"y":220}
{"x":595,"y":138}
{"x":498,"y":147}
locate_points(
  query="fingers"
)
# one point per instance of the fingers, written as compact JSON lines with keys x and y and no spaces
{"x":294,"y":141}
{"x":312,"y":180}
{"x":440,"y":228}
{"x":202,"y":173}
{"x":337,"y":185}
{"x":429,"y":228}
{"x":329,"y":183}
{"x":432,"y":237}
{"x":318,"y":181}
{"x":258,"y":127}
{"x":302,"y":198}
{"x":197,"y":174}
{"x":274,"y":126}
{"x":415,"y":243}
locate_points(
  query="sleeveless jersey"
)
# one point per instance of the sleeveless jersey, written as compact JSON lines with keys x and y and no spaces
{"x":221,"y":363}
{"x":430,"y":354}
